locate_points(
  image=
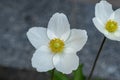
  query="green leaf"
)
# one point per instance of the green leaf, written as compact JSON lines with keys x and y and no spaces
{"x":59,"y":76}
{"x":78,"y":74}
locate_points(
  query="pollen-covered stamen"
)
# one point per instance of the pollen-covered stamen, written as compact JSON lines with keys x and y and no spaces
{"x":111,"y":26}
{"x":56,"y":45}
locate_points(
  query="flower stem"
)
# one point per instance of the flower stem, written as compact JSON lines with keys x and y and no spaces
{"x":52,"y":76}
{"x":98,"y":54}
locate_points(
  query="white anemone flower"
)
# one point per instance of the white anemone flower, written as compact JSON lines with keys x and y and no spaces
{"x":107,"y":21}
{"x":57,"y":45}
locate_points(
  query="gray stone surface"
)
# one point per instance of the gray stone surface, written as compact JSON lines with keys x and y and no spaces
{"x":17,"y":16}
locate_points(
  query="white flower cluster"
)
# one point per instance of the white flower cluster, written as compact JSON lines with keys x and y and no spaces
{"x":57,"y":45}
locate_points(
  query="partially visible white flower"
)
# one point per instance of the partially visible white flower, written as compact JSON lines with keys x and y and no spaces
{"x":107,"y":21}
{"x":57,"y":45}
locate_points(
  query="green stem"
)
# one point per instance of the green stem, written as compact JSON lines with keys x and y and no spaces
{"x":98,"y":54}
{"x":52,"y":76}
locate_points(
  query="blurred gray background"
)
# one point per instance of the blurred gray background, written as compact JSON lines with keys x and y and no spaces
{"x":17,"y":16}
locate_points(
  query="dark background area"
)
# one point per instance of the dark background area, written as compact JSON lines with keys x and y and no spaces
{"x":17,"y":16}
{"x":16,"y":74}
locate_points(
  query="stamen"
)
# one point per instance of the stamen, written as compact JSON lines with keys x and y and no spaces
{"x":56,"y":45}
{"x":111,"y":26}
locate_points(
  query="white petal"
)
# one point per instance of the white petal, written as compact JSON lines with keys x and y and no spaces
{"x":37,"y":36}
{"x":117,"y":34}
{"x":77,"y":39}
{"x":42,"y":59}
{"x":116,"y":16}
{"x":103,"y":10}
{"x":114,"y":36}
{"x":58,"y":27}
{"x":99,"y":25}
{"x":66,"y":62}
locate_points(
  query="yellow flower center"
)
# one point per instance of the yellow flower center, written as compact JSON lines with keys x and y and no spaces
{"x":56,"y":45}
{"x":111,"y":26}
